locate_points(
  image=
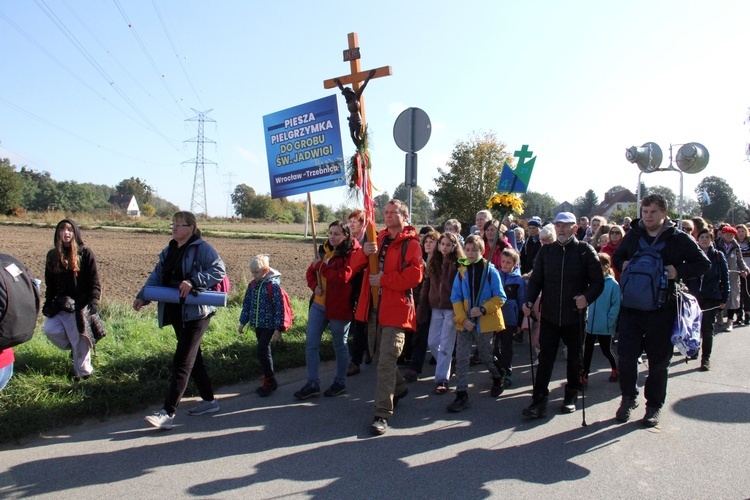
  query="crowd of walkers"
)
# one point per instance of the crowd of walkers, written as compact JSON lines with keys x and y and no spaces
{"x":466,"y":299}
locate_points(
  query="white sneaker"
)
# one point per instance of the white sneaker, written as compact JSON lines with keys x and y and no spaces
{"x":204,"y":407}
{"x":161,"y":420}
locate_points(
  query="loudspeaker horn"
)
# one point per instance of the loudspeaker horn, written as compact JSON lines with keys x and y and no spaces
{"x":648,"y":157}
{"x":692,"y":157}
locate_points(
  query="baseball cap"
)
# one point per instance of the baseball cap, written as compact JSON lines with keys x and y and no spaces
{"x":566,"y":217}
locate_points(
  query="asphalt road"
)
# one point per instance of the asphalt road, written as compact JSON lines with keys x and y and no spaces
{"x":280,"y":447}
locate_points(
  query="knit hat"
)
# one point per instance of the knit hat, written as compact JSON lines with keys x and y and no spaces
{"x":535,"y":221}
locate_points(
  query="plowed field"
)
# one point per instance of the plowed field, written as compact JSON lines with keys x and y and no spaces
{"x":125,"y":259}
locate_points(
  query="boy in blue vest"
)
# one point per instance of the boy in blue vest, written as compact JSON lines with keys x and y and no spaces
{"x":515,"y":290}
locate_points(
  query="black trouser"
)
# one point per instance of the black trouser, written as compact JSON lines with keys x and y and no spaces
{"x":605,"y":343}
{"x":649,"y":331}
{"x":744,"y":299}
{"x":710,"y":310}
{"x":420,"y":347}
{"x":188,"y":362}
{"x":358,"y":334}
{"x":502,"y":350}
{"x":263,"y":350}
{"x":549,"y":341}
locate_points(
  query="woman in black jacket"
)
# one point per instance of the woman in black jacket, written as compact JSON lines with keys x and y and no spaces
{"x":712,"y":292}
{"x":72,"y":286}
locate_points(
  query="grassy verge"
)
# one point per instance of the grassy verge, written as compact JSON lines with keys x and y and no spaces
{"x":132,"y":368}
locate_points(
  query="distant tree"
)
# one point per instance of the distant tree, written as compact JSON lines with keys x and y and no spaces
{"x":690,"y":207}
{"x":324,"y":213}
{"x":538,"y":204}
{"x":241,"y":199}
{"x":148,"y":210}
{"x":613,"y":190}
{"x":584,"y":205}
{"x":721,"y":195}
{"x":668,"y":195}
{"x":469,"y":179}
{"x":39,"y":189}
{"x":11,"y":187}
{"x":421,"y":206}
{"x":381,"y":201}
{"x":136,"y":187}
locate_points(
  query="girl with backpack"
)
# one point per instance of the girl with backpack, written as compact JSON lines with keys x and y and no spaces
{"x":435,"y":305}
{"x":602,"y":320}
{"x":737,"y":270}
{"x":72,"y":289}
{"x":187,"y":263}
{"x":329,"y":277}
{"x":263,"y":309}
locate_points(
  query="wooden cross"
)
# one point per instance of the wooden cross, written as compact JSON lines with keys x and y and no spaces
{"x":357,"y":76}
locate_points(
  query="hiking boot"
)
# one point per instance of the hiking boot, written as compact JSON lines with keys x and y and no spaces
{"x":399,"y":397}
{"x":204,"y":407}
{"x":441,"y":388}
{"x":728,"y":327}
{"x":352,"y":370}
{"x":614,"y":376}
{"x":518,"y":338}
{"x":627,"y":405}
{"x":651,"y":419}
{"x":308,"y":391}
{"x":269,"y":385}
{"x":569,"y":403}
{"x":379,"y":426}
{"x":336,"y":389}
{"x":537,"y":408}
{"x":161,"y":420}
{"x":498,"y":386}
{"x":411,"y":376}
{"x":460,"y":403}
{"x":705,"y":365}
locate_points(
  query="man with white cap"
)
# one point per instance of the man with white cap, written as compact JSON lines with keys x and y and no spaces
{"x":569,"y":273}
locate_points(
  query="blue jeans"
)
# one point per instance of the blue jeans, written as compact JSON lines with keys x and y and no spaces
{"x":5,"y":373}
{"x":316,"y":324}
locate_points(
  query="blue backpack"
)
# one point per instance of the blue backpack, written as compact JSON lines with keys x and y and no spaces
{"x":640,"y":281}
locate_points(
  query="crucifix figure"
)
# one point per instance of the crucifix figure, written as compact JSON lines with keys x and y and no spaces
{"x":356,"y":127}
{"x":358,"y":80}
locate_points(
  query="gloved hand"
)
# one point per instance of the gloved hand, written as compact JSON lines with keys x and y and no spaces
{"x":94,"y":307}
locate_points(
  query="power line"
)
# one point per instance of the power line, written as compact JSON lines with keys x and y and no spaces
{"x":93,"y":35}
{"x":228,"y":192}
{"x":177,"y":56}
{"x":159,"y":74}
{"x":74,"y":41}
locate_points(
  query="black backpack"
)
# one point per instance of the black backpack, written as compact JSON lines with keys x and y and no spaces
{"x":19,"y":302}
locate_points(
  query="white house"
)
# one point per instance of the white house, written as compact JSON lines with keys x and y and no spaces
{"x":125,"y":204}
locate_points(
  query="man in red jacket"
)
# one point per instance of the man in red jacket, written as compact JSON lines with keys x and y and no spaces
{"x":400,"y":271}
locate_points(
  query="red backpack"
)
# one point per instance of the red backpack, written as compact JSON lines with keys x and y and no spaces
{"x":286,"y":322}
{"x":224,"y":285}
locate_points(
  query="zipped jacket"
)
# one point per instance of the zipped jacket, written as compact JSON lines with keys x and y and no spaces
{"x":564,"y":272}
{"x":396,"y":307}
{"x":466,"y":295}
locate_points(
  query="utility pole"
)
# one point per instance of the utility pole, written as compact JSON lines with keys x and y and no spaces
{"x":198,"y":200}
{"x":229,"y":190}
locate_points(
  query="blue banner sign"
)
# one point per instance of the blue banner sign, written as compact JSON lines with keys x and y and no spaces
{"x":303,"y":145}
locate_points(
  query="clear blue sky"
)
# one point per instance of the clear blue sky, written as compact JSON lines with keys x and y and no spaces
{"x":577,"y":81}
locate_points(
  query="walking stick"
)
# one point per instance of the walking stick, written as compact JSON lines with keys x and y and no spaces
{"x":580,"y":354}
{"x":532,"y":318}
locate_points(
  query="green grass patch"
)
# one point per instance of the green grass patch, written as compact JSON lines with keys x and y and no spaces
{"x":132,"y":368}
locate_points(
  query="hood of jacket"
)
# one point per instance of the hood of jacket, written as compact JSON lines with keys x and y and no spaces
{"x":667,"y":229}
{"x":76,"y":232}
